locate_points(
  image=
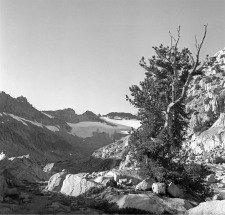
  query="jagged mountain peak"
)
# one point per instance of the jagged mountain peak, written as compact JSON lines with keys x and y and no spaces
{"x":18,"y":106}
{"x":89,"y":116}
{"x":67,"y":114}
{"x":22,"y":99}
{"x":89,"y":112}
{"x":220,"y":54}
{"x":219,"y":58}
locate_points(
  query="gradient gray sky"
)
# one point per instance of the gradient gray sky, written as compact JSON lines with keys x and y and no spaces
{"x":84,"y":54}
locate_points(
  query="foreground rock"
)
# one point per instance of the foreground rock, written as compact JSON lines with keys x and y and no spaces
{"x":75,"y":185}
{"x":210,"y":179}
{"x":175,"y":191}
{"x":159,"y":188}
{"x":209,"y":208}
{"x":56,"y":181}
{"x":145,"y":184}
{"x":70,"y":184}
{"x":151,"y":203}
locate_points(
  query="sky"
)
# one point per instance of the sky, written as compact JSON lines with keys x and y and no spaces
{"x":84,"y":54}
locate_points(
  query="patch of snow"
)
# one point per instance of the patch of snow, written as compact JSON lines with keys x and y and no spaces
{"x":34,"y":123}
{"x":48,"y":115}
{"x":20,"y":119}
{"x":133,"y":123}
{"x":17,"y":118}
{"x":21,"y":157}
{"x":52,"y":128}
{"x":124,"y":132}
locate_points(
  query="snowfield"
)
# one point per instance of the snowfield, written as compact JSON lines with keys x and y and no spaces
{"x":132,"y":123}
{"x":86,"y":129}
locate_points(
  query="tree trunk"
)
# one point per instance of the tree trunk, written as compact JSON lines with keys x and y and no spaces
{"x":169,"y":119}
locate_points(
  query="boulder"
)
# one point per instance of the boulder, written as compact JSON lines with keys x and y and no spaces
{"x":106,"y":181}
{"x":70,"y":184}
{"x":99,"y":179}
{"x":217,"y":197}
{"x":115,"y":175}
{"x":145,"y":184}
{"x":175,"y":191}
{"x":122,"y":174}
{"x":151,"y":203}
{"x":56,"y":181}
{"x":208,"y":208}
{"x":75,"y":185}
{"x":48,"y":168}
{"x":210,"y":179}
{"x":109,"y":182}
{"x":159,"y":188}
{"x":123,"y":181}
{"x":218,"y":160}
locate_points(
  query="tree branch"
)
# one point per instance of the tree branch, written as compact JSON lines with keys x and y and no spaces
{"x":184,"y":90}
{"x":189,"y":78}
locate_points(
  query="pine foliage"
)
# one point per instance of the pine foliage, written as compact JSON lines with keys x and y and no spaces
{"x":158,"y":149}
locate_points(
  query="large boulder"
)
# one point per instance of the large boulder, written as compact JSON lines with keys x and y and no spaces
{"x":70,"y":184}
{"x":55,"y":182}
{"x":151,"y":203}
{"x":145,"y":184}
{"x":210,"y":179}
{"x":159,"y":188}
{"x":175,"y":191}
{"x":75,"y":185}
{"x":216,"y":207}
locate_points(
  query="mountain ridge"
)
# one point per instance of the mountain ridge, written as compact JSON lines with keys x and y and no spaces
{"x":51,"y":135}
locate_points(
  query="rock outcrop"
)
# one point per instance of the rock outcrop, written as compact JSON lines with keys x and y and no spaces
{"x":70,"y":184}
{"x":206,"y":102}
{"x":23,"y":169}
{"x":209,"y":208}
{"x":151,"y":203}
{"x":210,"y":138}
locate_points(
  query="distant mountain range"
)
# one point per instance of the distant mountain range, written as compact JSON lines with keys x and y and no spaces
{"x":120,"y":115}
{"x":54,"y":135}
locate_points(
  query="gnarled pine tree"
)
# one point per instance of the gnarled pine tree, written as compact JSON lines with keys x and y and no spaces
{"x":160,"y":100}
